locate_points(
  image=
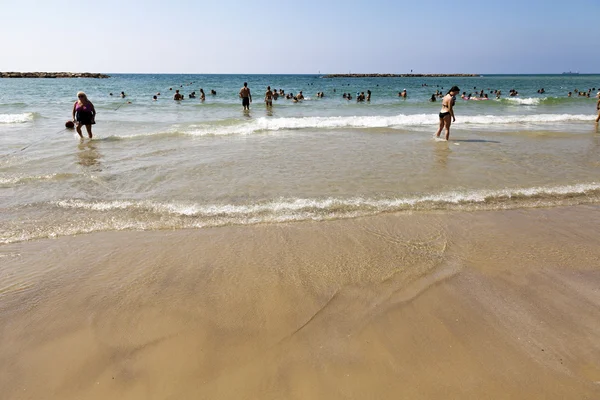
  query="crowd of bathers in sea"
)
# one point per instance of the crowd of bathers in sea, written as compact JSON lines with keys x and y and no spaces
{"x":361,"y":96}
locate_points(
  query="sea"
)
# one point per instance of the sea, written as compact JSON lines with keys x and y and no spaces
{"x":192,"y":164}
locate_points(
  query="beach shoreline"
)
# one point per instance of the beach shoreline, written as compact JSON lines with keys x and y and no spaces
{"x":423,"y":305}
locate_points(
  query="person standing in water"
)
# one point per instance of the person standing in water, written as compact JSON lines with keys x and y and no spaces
{"x":246,"y":96}
{"x":269,"y":97}
{"x":598,"y":106}
{"x":447,"y":113}
{"x":84,"y":113}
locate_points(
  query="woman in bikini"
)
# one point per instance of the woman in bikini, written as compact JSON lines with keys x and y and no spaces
{"x":598,"y":107}
{"x":84,"y":113}
{"x":447,"y":113}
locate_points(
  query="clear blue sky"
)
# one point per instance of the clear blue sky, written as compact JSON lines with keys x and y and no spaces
{"x":306,"y":36}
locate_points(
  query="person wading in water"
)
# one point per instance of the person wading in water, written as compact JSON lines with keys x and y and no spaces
{"x":447,"y":113}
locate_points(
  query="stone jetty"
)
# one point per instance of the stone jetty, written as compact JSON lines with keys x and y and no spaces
{"x":397,"y":75}
{"x":52,"y":75}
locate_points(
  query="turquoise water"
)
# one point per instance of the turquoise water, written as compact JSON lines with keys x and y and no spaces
{"x":166,"y":165}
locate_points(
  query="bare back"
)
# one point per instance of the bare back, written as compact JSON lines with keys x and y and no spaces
{"x":446,"y":103}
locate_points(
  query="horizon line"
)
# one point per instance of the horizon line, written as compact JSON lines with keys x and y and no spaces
{"x":424,"y":75}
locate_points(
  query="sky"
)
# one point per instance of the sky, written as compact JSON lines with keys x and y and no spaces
{"x":300,"y":37}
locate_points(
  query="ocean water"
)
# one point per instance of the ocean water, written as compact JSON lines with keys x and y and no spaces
{"x":192,"y":164}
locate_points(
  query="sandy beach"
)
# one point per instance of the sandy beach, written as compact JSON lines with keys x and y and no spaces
{"x":464,"y":305}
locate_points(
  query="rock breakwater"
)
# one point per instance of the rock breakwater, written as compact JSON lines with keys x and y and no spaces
{"x":397,"y":75}
{"x":52,"y":75}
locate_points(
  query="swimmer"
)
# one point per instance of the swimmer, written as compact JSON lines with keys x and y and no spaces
{"x":432,"y":99}
{"x":202,"y":96}
{"x":369,"y":95}
{"x":447,"y":113}
{"x":177,"y":96}
{"x":84,"y":113}
{"x":246,"y":96}
{"x":122,"y":95}
{"x":300,"y":96}
{"x":269,"y":97}
{"x":154,"y":98}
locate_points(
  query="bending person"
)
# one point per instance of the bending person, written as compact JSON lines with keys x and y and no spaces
{"x":84,"y":113}
{"x":447,"y":112}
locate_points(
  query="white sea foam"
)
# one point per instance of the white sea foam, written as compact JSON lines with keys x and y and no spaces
{"x":11,"y":180}
{"x":151,"y":215}
{"x":364,"y":122}
{"x":16,"y":118}
{"x":290,"y":206}
{"x":528,"y":101}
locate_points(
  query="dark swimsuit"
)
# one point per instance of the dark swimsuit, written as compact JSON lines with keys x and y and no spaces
{"x":246,"y":101}
{"x":83,"y":114}
{"x":444,"y":114}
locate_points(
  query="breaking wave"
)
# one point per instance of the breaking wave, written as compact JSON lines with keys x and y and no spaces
{"x":77,"y":216}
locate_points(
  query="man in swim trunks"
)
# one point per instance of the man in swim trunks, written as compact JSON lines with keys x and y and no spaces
{"x":447,"y":113}
{"x":246,"y":96}
{"x":269,"y":97}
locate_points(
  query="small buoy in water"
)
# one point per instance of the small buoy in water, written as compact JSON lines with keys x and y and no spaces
{"x":69,"y":125}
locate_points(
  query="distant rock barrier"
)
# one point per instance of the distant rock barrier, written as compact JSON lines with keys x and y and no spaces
{"x":398,"y":75}
{"x":52,"y":75}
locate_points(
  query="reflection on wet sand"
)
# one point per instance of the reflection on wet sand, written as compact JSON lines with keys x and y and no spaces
{"x":88,"y":154}
{"x":441,"y":155}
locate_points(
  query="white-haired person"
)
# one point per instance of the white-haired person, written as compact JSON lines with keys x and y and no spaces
{"x":84,"y":113}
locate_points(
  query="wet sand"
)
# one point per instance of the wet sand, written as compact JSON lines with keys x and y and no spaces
{"x":464,"y":305}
